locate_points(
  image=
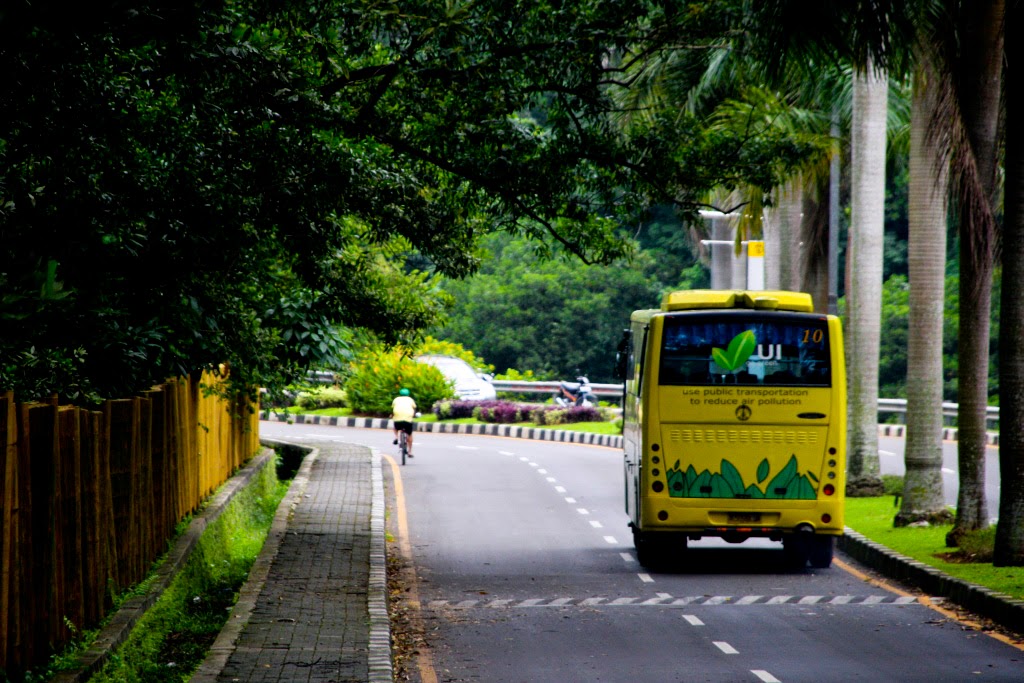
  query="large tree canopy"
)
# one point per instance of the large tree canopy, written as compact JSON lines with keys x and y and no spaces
{"x":184,"y":184}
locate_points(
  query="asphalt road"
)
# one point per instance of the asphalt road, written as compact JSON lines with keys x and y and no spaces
{"x":526,"y":573}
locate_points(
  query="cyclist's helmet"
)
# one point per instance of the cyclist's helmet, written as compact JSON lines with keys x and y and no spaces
{"x":404,"y":392}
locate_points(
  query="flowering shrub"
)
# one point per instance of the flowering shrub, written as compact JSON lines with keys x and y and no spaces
{"x":507,"y":412}
{"x":501,"y":412}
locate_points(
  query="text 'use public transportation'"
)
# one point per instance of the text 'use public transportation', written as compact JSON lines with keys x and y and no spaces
{"x":734,"y":423}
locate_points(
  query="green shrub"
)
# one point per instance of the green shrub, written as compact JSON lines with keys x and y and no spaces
{"x":978,"y":545}
{"x":327,"y":397}
{"x":378,"y":375}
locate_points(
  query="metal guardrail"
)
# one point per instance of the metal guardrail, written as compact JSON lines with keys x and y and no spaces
{"x":897,"y":406}
{"x":520,"y":387}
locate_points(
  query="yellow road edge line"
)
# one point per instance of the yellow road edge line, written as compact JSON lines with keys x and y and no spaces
{"x":927,"y":602}
{"x":424,"y":661}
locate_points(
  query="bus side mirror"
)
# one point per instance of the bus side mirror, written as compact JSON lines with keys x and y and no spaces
{"x":622,"y":355}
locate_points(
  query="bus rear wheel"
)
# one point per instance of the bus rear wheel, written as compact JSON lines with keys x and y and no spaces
{"x":655,"y":551}
{"x":819,"y":553}
{"x":805,"y":548}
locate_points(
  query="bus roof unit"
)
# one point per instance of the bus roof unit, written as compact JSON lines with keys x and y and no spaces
{"x":776,"y":300}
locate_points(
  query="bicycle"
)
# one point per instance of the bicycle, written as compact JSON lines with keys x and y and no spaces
{"x":403,"y":444}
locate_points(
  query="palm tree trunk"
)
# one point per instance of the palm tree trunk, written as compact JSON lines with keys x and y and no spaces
{"x":1009,"y":550}
{"x":980,"y":71}
{"x":867,"y":200}
{"x":922,"y":489}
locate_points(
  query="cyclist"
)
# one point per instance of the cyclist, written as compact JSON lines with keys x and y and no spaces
{"x":403,"y":410}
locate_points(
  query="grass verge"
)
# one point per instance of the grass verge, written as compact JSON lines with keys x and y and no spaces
{"x":873,"y":518}
{"x":172,"y":638}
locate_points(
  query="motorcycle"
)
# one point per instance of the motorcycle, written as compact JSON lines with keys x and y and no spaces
{"x":576,"y":393}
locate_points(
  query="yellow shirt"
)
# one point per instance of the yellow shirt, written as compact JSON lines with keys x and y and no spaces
{"x":403,"y":409}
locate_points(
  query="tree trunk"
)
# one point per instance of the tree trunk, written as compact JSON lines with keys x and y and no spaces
{"x":773,"y":244}
{"x":979,"y":83}
{"x":789,"y":257}
{"x":1009,"y":550}
{"x":922,"y":487}
{"x":814,"y":244}
{"x":864,"y":313}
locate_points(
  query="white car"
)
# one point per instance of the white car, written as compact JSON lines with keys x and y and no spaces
{"x":469,"y":384}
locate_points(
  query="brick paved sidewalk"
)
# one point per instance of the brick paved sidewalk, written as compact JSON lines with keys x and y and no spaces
{"x":315,"y":607}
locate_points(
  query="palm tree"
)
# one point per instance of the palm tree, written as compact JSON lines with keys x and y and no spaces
{"x":867,"y":207}
{"x":1009,"y":550}
{"x":974,"y":64}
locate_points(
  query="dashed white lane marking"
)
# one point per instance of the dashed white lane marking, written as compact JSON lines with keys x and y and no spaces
{"x":610,"y":540}
{"x":570,"y":500}
{"x":551,"y":480}
{"x":693,"y":620}
{"x":560,"y":489}
{"x":542,"y":471}
{"x":646,"y":578}
{"x":583,"y":511}
{"x":625,"y":556}
{"x":726,"y":647}
{"x":506,"y":453}
{"x":467,"y":448}
{"x":664,"y":596}
{"x":521,"y":458}
{"x":748,"y":599}
{"x":596,"y":524}
{"x":764,"y":676}
{"x":533,"y":464}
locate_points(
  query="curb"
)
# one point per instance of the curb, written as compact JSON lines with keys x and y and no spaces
{"x":381,"y":670}
{"x":513,"y":431}
{"x":999,"y":607}
{"x":948,"y":433}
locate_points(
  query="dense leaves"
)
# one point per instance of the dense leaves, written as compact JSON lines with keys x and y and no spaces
{"x":556,"y":318}
{"x":185,"y":184}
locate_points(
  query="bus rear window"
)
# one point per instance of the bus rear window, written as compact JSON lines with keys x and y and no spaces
{"x":771,"y":349}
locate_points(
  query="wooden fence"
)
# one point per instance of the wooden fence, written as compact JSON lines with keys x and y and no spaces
{"x":90,"y":499}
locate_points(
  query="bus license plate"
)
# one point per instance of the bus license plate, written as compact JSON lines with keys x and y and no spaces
{"x":744,"y":517}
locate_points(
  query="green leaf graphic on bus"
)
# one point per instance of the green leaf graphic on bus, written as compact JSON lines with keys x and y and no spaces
{"x":788,"y":484}
{"x":740,"y":349}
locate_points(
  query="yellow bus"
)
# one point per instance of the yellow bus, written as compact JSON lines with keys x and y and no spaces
{"x":734,"y":423}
